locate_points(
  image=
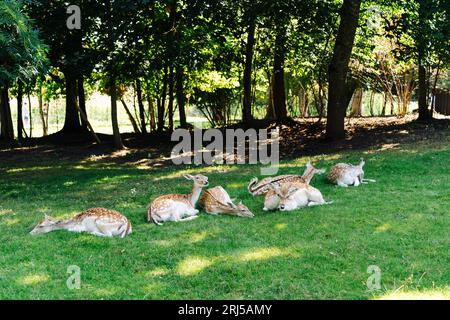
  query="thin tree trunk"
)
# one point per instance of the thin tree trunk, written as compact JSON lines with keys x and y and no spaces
{"x":130,"y":116}
{"x":171,"y":97}
{"x":30,"y":109}
{"x":162,"y":104}
{"x":270,"y":112}
{"x":115,"y":124}
{"x":279,"y":91}
{"x":247,"y":103}
{"x":141,"y":106}
{"x":19,"y":110}
{"x":41,"y":112}
{"x":82,"y":101}
{"x":338,"y":69}
{"x":181,"y":98}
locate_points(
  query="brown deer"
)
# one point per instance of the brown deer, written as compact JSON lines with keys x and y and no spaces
{"x":264,"y":186}
{"x":344,"y":174}
{"x":177,"y":207}
{"x":97,"y":221}
{"x":297,"y":195}
{"x":216,"y":200}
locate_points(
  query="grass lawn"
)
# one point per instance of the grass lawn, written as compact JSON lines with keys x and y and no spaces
{"x":400,"y":224}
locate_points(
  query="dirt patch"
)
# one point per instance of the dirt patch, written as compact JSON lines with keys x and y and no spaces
{"x":303,"y":138}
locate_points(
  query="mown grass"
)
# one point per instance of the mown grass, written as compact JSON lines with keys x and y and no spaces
{"x":400,"y":224}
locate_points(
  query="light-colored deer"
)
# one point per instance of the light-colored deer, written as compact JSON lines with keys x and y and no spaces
{"x":177,"y":207}
{"x":264,"y":186}
{"x":97,"y":221}
{"x":216,"y":200}
{"x":344,"y":174}
{"x":297,"y":195}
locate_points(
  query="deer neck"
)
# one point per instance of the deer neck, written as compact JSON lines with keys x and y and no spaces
{"x":69,"y":224}
{"x":194,"y":195}
{"x":308,"y":175}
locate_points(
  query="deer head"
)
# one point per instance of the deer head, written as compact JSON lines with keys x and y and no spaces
{"x":240,"y":210}
{"x":46,"y":225}
{"x":199,"y":180}
{"x":361,"y":163}
{"x":310,"y":171}
{"x":286,"y":193}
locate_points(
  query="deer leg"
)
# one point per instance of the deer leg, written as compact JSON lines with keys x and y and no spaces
{"x":341,"y":184}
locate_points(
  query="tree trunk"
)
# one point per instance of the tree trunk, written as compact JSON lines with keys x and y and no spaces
{"x":181,"y":98}
{"x":424,"y":113}
{"x":7,"y":130}
{"x":30,"y":114}
{"x":141,"y":106}
{"x":130,"y":116}
{"x":171,"y":97}
{"x":82,"y":102}
{"x":72,"y":119}
{"x":357,"y":103}
{"x":115,"y":124}
{"x":19,"y":110}
{"x":162,"y":103}
{"x":270,"y":112}
{"x":151,"y":110}
{"x":338,"y":69}
{"x":41,"y":113}
{"x":279,"y":92}
{"x":247,"y":103}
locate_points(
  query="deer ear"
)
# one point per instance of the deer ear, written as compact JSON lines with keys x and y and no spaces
{"x":188,"y":176}
{"x":292,"y":190}
{"x":231,"y":205}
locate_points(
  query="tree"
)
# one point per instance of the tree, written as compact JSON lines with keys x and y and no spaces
{"x":22,"y":56}
{"x":338,"y":69}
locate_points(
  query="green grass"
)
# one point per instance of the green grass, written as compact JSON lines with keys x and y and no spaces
{"x":401,"y":224}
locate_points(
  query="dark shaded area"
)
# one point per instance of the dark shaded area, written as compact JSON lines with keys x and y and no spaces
{"x":302,"y":138}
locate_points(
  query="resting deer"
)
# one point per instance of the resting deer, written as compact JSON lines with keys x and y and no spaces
{"x":216,"y":200}
{"x":97,"y":221}
{"x":264,"y":186}
{"x":297,"y":195}
{"x":177,"y":207}
{"x":345,"y":175}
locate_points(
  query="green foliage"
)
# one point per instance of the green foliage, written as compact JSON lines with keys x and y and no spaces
{"x":22,"y":55}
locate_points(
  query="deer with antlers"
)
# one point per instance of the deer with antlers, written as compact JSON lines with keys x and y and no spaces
{"x":177,"y":207}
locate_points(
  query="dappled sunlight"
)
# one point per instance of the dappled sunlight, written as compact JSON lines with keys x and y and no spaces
{"x":427,"y":294}
{"x":262,"y":254}
{"x":4,"y":212}
{"x":10,"y":222}
{"x":33,"y":279}
{"x":163,"y":243}
{"x":280,"y":226}
{"x":383,"y":228}
{"x":193,"y":265}
{"x":104,"y":292}
{"x":157,"y":272}
{"x":199,"y":236}
{"x":30,"y":169}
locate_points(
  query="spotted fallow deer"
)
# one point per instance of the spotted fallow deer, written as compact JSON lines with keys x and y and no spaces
{"x":216,"y":200}
{"x":177,"y":207}
{"x":97,"y":221}
{"x":264,"y":186}
{"x":297,"y":195}
{"x":345,"y":175}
